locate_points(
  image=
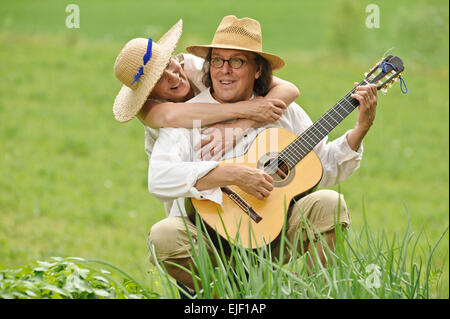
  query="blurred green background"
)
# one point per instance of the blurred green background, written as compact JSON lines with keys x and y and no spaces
{"x":73,"y":181}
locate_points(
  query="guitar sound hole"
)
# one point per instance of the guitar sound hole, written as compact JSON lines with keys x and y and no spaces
{"x":277,"y":168}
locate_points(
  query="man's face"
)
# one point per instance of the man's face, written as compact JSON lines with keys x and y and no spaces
{"x":233,"y":85}
{"x":173,"y":84}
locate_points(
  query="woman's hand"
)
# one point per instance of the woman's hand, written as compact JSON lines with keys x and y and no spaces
{"x":261,"y":109}
{"x":221,"y":137}
{"x":218,"y":139}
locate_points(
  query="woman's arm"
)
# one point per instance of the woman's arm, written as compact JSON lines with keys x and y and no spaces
{"x":170,"y":114}
{"x":283,"y":90}
{"x":261,"y":111}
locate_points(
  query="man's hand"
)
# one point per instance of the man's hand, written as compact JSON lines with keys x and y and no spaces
{"x":253,"y":181}
{"x":367,"y":97}
{"x":217,"y":139}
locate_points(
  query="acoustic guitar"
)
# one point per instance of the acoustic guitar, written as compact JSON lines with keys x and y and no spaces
{"x":293,"y":165}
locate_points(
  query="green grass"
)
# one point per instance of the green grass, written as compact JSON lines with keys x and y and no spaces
{"x":69,"y":278}
{"x":362,"y":266}
{"x":73,"y":182}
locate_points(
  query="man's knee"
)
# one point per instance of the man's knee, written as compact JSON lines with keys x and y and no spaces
{"x":163,"y":237}
{"x":323,"y":208}
{"x":329,"y":201}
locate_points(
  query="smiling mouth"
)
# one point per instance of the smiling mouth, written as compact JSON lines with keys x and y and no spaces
{"x":176,"y":85}
{"x":226,"y":82}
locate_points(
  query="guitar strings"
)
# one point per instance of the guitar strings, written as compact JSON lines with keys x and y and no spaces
{"x":296,"y":151}
{"x":291,"y":152}
{"x":313,"y":135}
{"x":339,"y":107}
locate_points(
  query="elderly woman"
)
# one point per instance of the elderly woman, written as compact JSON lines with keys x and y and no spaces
{"x":156,"y":87}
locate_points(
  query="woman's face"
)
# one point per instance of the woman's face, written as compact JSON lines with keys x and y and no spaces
{"x":173,"y":85}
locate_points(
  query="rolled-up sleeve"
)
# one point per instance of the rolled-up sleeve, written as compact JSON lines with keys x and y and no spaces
{"x":172,"y":170}
{"x":339,"y":161}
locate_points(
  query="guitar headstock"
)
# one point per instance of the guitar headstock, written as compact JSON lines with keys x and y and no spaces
{"x":388,"y":70}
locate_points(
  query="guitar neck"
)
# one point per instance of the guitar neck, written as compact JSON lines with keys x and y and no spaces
{"x":303,"y":144}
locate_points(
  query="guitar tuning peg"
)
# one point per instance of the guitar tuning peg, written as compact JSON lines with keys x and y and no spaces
{"x":390,"y":84}
{"x":384,"y":90}
{"x":395,"y":79}
{"x":365,"y":74}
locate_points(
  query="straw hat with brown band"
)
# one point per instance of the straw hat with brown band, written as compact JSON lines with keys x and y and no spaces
{"x":139,"y":66}
{"x":238,"y":34}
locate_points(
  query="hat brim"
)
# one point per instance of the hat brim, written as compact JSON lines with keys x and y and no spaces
{"x":202,"y":51}
{"x":129,"y":101}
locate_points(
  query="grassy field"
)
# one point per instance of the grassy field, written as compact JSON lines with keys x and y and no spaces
{"x":73,"y":182}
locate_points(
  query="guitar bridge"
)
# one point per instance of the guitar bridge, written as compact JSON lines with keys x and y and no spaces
{"x":242,"y":204}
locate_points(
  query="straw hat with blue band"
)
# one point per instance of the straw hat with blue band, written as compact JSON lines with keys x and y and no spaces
{"x":139,"y":66}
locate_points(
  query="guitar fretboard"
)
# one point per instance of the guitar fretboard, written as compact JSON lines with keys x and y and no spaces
{"x":303,"y":144}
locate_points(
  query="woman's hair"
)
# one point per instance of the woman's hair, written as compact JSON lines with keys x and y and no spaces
{"x":262,"y":84}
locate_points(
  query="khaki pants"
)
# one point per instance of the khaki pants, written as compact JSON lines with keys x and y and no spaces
{"x":320,"y":208}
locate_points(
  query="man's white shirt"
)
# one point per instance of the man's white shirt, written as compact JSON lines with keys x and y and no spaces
{"x":175,"y":167}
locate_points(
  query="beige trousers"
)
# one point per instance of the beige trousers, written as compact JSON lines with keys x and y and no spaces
{"x":171,"y":241}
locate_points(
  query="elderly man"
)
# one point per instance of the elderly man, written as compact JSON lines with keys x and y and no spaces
{"x":237,"y":69}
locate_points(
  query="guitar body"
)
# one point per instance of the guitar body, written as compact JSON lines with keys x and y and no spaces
{"x":293,"y":165}
{"x":257,"y":232}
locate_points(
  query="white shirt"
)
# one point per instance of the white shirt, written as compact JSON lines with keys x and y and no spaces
{"x":192,"y":66}
{"x":175,"y":167}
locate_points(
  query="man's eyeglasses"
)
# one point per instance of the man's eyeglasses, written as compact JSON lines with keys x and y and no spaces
{"x":235,"y":63}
